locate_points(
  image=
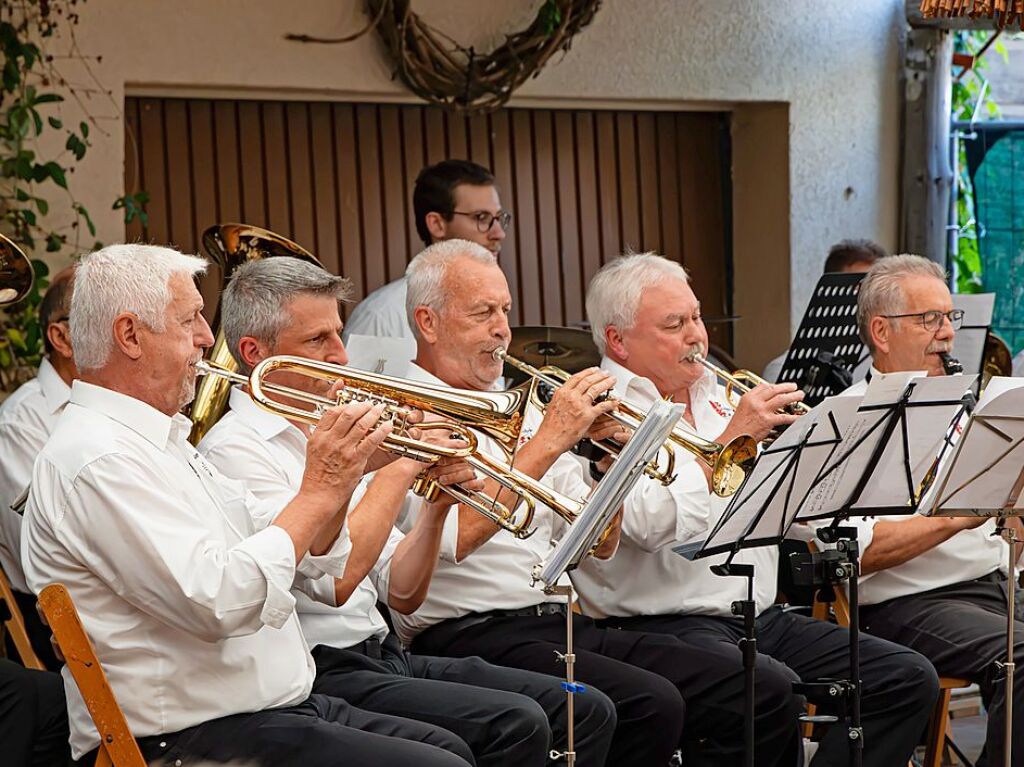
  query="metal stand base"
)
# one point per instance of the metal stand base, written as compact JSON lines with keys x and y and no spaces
{"x":1009,"y":535}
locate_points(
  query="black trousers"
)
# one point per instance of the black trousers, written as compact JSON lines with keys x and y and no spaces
{"x":38,"y":632}
{"x":899,"y":688}
{"x":320,"y":732}
{"x":639,"y":672}
{"x":506,"y":716}
{"x":961,"y":629}
{"x":33,"y":717}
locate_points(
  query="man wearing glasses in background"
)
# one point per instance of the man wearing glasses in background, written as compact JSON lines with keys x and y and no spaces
{"x":936,"y":585}
{"x":454,"y":199}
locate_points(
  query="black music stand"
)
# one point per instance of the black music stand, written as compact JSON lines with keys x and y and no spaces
{"x":827,"y":348}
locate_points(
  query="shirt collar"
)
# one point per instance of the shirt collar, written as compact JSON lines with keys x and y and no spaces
{"x":143,"y":419}
{"x":55,"y":391}
{"x":268,"y":425}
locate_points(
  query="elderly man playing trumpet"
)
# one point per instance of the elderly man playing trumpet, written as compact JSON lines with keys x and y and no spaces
{"x":481,"y":601}
{"x":183,"y":581}
{"x":646,"y":320}
{"x":936,"y":584}
{"x":286,"y":306}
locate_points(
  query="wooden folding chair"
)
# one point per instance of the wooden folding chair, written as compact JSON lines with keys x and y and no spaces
{"x":117,"y":746}
{"x":938,"y":724}
{"x":14,"y":624}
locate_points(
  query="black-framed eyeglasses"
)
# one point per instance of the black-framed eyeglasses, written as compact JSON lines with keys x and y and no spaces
{"x":933,"y":320}
{"x":484,"y":220}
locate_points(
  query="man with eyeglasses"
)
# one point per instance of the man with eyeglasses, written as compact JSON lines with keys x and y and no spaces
{"x":27,"y":418}
{"x":936,"y":585}
{"x":452,"y":200}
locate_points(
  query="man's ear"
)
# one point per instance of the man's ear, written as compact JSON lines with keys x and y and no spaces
{"x":881,"y":333}
{"x":59,"y":336}
{"x":615,"y":348}
{"x":127,"y":335}
{"x":251,"y":351}
{"x":427,"y":322}
{"x":436,"y":225}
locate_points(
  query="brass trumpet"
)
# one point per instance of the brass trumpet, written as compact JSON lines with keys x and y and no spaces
{"x":16,"y":273}
{"x":729,"y":463}
{"x":741,"y":381}
{"x":498,"y":415}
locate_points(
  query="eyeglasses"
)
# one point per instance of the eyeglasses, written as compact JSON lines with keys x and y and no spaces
{"x":933,"y":320}
{"x":484,"y":220}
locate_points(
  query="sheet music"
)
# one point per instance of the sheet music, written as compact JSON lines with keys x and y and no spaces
{"x":989,"y":456}
{"x":926,"y":431}
{"x":969,"y":344}
{"x":390,"y":356}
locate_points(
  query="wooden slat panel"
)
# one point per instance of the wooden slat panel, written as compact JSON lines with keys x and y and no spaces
{"x":300,"y":182}
{"x":582,"y":185}
{"x":393,"y":194}
{"x":567,"y":193}
{"x":134,"y":180}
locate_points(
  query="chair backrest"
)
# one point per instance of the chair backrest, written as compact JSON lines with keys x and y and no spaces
{"x":14,"y":623}
{"x":117,"y":746}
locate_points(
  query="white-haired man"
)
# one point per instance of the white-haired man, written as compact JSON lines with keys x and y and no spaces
{"x":646,"y":320}
{"x":481,"y":601}
{"x":452,"y":199}
{"x":286,"y":306}
{"x":935,"y":584}
{"x":185,"y":598}
{"x":26,"y":419}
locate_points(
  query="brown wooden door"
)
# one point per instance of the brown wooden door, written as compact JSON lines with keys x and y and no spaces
{"x":583,"y":185}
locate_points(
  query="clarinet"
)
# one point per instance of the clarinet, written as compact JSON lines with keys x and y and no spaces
{"x":950,"y":364}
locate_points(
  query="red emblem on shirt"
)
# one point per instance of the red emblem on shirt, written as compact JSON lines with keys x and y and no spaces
{"x":722,"y":410}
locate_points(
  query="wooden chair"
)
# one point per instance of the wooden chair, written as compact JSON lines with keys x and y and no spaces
{"x":938,"y":724}
{"x":14,"y":624}
{"x":117,"y":746}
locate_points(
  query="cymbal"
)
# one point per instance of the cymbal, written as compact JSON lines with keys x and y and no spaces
{"x":568,"y":348}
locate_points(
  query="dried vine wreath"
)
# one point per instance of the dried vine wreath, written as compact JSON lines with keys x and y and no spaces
{"x":1004,"y":12}
{"x":440,"y":71}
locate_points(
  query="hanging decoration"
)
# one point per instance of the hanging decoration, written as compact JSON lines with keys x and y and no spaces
{"x":1002,"y":12}
{"x":441,"y":71}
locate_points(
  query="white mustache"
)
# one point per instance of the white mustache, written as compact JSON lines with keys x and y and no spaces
{"x":937,"y":347}
{"x":697,"y":350}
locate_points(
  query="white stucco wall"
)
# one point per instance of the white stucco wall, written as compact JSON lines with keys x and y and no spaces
{"x":835,"y":63}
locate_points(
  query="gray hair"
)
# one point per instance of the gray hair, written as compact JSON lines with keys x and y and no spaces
{"x":122,"y":278}
{"x":881,"y":291}
{"x":614,"y":294}
{"x":255,"y":301}
{"x":425,"y":274}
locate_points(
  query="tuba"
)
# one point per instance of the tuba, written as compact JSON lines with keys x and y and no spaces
{"x":16,"y":273}
{"x":462,"y":412}
{"x":229,"y":246}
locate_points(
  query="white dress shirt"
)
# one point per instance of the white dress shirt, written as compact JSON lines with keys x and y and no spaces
{"x":497,"y":576}
{"x":967,"y":555}
{"x":268,"y":455}
{"x":27,"y":419}
{"x":645,"y":577}
{"x":188,"y":606}
{"x":382,"y":313}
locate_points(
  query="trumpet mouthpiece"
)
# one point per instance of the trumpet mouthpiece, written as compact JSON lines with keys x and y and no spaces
{"x":499,"y":353}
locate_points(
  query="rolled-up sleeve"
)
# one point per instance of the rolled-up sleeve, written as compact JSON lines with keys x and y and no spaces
{"x":166,"y":559}
{"x":658,"y":515}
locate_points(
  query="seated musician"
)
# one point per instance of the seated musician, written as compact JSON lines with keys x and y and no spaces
{"x":936,"y":584}
{"x":451,"y":199}
{"x":481,"y":601}
{"x":286,"y":306}
{"x":188,"y":605}
{"x":646,"y":320}
{"x":26,"y":419}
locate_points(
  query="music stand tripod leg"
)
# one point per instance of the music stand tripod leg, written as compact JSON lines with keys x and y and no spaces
{"x":1009,"y":535}
{"x":570,"y":685}
{"x":745,"y":608}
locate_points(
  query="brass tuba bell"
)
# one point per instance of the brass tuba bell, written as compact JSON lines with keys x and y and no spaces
{"x":16,"y":274}
{"x":229,"y":246}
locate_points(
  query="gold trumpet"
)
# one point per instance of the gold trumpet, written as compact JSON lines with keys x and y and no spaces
{"x":498,"y":415}
{"x":729,"y":463}
{"x":741,"y":381}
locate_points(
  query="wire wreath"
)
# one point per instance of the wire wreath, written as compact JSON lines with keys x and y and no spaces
{"x":441,"y":71}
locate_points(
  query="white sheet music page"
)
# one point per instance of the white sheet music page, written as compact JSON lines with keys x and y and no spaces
{"x":390,"y":356}
{"x":989,"y":456}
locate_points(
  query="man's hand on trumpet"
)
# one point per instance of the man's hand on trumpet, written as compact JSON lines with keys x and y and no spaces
{"x":762,"y":410}
{"x":576,"y":411}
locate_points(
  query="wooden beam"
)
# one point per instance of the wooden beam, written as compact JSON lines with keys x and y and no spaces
{"x":927,"y":178}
